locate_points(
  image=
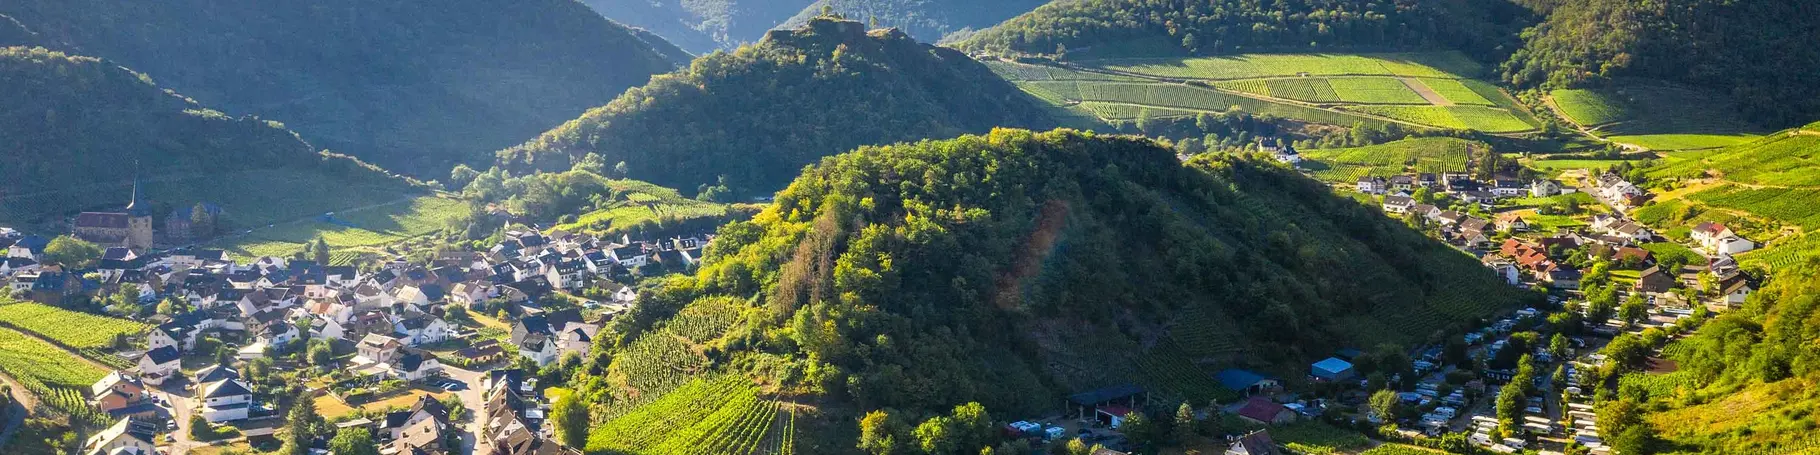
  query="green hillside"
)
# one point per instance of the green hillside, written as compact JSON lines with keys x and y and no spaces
{"x":76,"y":125}
{"x":1764,"y":188}
{"x":757,"y":115}
{"x":1414,"y":90}
{"x":1004,"y":269}
{"x":1429,"y":154}
{"x":1655,"y":115}
{"x":1758,"y":53}
{"x":1156,"y":28}
{"x":701,"y":26}
{"x":926,"y":20}
{"x":412,"y":85}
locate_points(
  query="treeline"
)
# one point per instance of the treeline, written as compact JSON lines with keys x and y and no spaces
{"x":917,"y":276}
{"x":413,"y":85}
{"x":756,"y":116}
{"x":927,"y":20}
{"x":1124,"y":28}
{"x":1761,"y":53}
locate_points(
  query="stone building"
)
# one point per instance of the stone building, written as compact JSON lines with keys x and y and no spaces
{"x":131,"y":228}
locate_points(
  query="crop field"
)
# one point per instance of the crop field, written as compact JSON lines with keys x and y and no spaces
{"x":1456,"y":91}
{"x":1658,"y":385}
{"x":1252,"y":66}
{"x":719,"y":415}
{"x":1793,"y":206}
{"x":1402,"y":449}
{"x":663,"y":359}
{"x":1374,"y":90}
{"x":642,"y":203}
{"x":74,"y":329}
{"x":1783,"y":160}
{"x":1428,"y":154}
{"x":1784,"y":253}
{"x":1656,"y":115}
{"x":1166,"y":368}
{"x":1334,"y":89}
{"x":1317,"y":438}
{"x":34,"y":362}
{"x":367,"y":227}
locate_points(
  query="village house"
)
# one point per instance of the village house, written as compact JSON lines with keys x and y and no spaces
{"x":160,"y":364}
{"x":226,"y":400}
{"x":1398,"y":204}
{"x":1512,"y":223}
{"x":1654,"y":280}
{"x":1716,"y":239}
{"x":1372,"y":185}
{"x":1402,"y":184}
{"x":1262,"y":411}
{"x":128,"y":436}
{"x":121,"y":395}
{"x":1545,"y":188}
{"x":1254,"y":443}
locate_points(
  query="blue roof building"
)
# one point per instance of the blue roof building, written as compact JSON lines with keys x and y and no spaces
{"x":1244,"y":381}
{"x":1332,"y":369}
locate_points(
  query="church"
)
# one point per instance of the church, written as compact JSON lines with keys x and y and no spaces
{"x":131,"y":229}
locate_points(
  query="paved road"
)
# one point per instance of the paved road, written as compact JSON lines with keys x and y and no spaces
{"x":473,"y":398}
{"x":180,"y":406}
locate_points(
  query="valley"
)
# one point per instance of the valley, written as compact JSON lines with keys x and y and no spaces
{"x":908,"y":227}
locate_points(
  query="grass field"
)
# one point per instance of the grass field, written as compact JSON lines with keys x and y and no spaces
{"x":1428,"y":154}
{"x":1655,"y":115}
{"x":75,"y":329}
{"x":353,"y":229}
{"x":1334,"y":89}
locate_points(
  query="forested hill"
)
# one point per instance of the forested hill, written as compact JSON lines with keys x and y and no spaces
{"x":414,"y":85}
{"x":701,"y":26}
{"x":1132,"y":28}
{"x":757,"y":115}
{"x":925,"y":20}
{"x":1017,"y":267}
{"x":73,"y":127}
{"x":1760,"y":52}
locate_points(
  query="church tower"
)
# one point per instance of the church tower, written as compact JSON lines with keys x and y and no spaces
{"x":138,"y":220}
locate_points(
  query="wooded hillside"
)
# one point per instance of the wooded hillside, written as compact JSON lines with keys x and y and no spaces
{"x":74,"y":127}
{"x":701,"y":26}
{"x":1016,"y":267}
{"x":414,"y":85}
{"x":757,"y":115}
{"x":926,"y":20}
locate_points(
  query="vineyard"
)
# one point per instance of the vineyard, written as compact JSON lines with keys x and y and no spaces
{"x":1656,"y":115}
{"x":1314,"y":438}
{"x":1457,"y":92}
{"x":1345,"y":166}
{"x":56,"y":376}
{"x":1252,"y":66}
{"x":1794,"y":206}
{"x":723,"y":415}
{"x":1780,"y":161}
{"x":1658,"y":385}
{"x":1785,"y":253}
{"x":641,"y":203}
{"x":663,"y":359}
{"x":74,"y":329}
{"x":1375,"y":90}
{"x":1402,"y":449}
{"x":1166,"y":368}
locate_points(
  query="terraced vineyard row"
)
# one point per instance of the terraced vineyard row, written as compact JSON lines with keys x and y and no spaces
{"x":1168,"y":369}
{"x":74,"y":329}
{"x":56,"y":376}
{"x":1402,"y":449}
{"x":1789,"y":205}
{"x":723,"y":415}
{"x":663,"y":359}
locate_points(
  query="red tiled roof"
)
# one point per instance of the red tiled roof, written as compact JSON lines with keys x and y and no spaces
{"x":1261,"y":409}
{"x":101,"y":220}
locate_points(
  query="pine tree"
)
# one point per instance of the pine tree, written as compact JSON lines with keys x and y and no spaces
{"x":322,"y":252}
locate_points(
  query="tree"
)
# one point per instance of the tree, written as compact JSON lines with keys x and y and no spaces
{"x":1184,"y":423}
{"x":972,"y":425}
{"x":571,"y":418}
{"x":461,"y":176}
{"x":223,"y":355}
{"x":592,"y":162}
{"x":322,"y":252}
{"x":1557,"y":346}
{"x":1634,"y":308}
{"x":1384,"y":403}
{"x":71,"y":253}
{"x":620,"y":170}
{"x":879,"y":433}
{"x":353,"y":441}
{"x":936,"y":436}
{"x":303,"y":424}
{"x":1139,"y":429}
{"x":321,"y":353}
{"x":202,"y":222}
{"x":1510,"y":406}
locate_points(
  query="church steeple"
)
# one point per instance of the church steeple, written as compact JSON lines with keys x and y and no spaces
{"x":137,"y":206}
